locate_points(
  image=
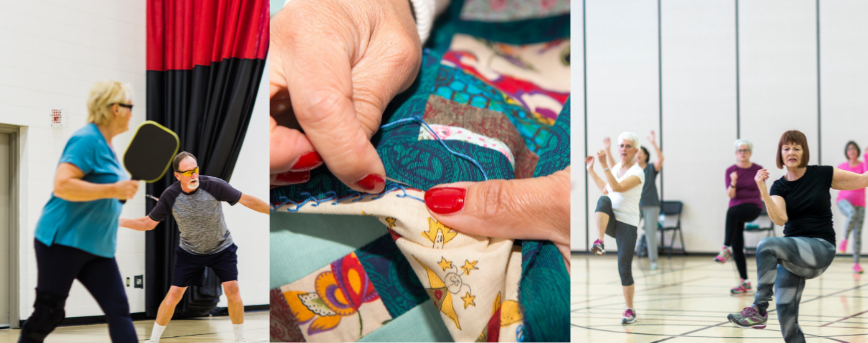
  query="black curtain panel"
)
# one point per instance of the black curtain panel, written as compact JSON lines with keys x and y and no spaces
{"x":205,"y":59}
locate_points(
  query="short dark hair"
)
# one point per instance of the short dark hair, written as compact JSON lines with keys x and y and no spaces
{"x":858,"y":151}
{"x":180,"y":157}
{"x":793,"y":137}
{"x":647,"y":155}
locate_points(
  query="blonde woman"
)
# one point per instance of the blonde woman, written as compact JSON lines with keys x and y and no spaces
{"x":617,"y":211}
{"x":76,"y":235}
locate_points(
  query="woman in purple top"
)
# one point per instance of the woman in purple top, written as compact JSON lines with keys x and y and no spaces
{"x":745,"y":206}
{"x":852,"y":203}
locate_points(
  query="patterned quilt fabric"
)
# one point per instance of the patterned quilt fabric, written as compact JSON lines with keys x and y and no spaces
{"x":497,"y":92}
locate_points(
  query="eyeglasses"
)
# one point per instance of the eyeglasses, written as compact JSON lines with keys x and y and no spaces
{"x":190,"y":172}
{"x":743,"y":151}
{"x":125,"y":105}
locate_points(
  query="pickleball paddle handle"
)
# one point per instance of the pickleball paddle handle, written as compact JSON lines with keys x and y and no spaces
{"x":125,"y":201}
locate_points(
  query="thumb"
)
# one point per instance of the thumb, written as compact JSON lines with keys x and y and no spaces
{"x":535,"y":208}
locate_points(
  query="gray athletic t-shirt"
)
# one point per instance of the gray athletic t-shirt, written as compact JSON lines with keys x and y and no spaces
{"x":649,"y":190}
{"x":199,"y":214}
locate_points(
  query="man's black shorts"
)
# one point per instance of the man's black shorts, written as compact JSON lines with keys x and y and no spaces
{"x":190,"y":269}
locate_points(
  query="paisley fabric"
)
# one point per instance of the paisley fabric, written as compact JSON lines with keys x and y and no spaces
{"x":391,"y":275}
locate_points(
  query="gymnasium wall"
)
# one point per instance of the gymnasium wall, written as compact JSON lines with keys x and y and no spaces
{"x":702,"y":74}
{"x":53,"y":52}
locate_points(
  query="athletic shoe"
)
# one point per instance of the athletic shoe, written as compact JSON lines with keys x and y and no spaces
{"x":150,"y":341}
{"x":857,"y":268}
{"x":597,"y":248}
{"x":743,"y":287}
{"x":749,"y":318}
{"x":723,"y":255}
{"x":241,"y":340}
{"x":653,"y":266}
{"x":629,"y":317}
{"x":843,"y":246}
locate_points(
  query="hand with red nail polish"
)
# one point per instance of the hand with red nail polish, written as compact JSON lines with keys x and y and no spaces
{"x":537,"y":208}
{"x":334,"y":67}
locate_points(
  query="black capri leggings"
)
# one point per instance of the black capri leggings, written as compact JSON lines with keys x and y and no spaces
{"x":58,"y":266}
{"x":625,"y":239}
{"x":736,"y":217}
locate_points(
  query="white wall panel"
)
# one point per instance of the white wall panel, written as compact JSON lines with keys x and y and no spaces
{"x":843,"y":52}
{"x":578,"y":204}
{"x":622,"y":78}
{"x":699,"y":113}
{"x":778,"y":47}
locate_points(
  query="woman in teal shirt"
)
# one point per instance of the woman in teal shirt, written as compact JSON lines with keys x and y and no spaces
{"x":76,"y":235}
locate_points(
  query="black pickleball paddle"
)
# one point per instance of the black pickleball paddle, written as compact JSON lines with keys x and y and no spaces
{"x":150,"y":152}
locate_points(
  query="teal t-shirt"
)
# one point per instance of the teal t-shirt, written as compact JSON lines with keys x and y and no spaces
{"x":91,"y":226}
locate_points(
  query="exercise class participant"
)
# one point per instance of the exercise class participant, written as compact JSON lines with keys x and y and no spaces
{"x":801,"y":202}
{"x":745,"y":206}
{"x":852,"y":203}
{"x":617,"y":211}
{"x":195,"y":200}
{"x":76,"y":235}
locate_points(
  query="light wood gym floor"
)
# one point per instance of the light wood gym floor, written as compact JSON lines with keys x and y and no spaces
{"x":687,"y":300}
{"x":198,"y":330}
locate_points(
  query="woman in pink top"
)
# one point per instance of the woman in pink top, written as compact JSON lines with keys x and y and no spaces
{"x":852,"y":203}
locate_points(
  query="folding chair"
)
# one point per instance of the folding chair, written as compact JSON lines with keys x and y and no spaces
{"x":671,"y":208}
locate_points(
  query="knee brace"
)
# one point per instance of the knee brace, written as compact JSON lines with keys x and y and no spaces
{"x":47,"y":314}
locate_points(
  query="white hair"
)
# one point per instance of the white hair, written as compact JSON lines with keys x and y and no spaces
{"x":630,"y":137}
{"x":739,"y":142}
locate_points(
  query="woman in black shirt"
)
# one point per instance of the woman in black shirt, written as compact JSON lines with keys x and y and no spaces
{"x":800,"y":201}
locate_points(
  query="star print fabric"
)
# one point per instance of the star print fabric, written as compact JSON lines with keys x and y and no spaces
{"x":472,"y":280}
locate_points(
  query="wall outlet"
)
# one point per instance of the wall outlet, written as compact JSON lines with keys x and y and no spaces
{"x":139,"y":281}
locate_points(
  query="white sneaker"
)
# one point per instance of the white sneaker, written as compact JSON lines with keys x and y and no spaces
{"x":150,"y":341}
{"x":241,"y":340}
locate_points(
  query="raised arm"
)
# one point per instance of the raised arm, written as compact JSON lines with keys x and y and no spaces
{"x":843,"y":180}
{"x":601,"y":185}
{"x":607,"y":143}
{"x":659,"y":162}
{"x":139,"y":224}
{"x":254,"y":203}
{"x":776,"y":206}
{"x":69,"y":186}
{"x":616,"y":186}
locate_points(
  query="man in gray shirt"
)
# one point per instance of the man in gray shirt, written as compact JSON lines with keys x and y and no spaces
{"x":195,"y":202}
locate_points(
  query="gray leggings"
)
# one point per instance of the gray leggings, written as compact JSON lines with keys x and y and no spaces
{"x":625,"y":239}
{"x":855,"y":216}
{"x":785,"y":263}
{"x":651,"y":214}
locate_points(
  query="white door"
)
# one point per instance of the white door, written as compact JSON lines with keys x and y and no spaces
{"x":5,"y":161}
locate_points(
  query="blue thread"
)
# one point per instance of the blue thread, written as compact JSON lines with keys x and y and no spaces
{"x":391,"y":187}
{"x":332,"y":196}
{"x":422,"y":122}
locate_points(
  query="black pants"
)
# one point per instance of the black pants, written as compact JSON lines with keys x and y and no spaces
{"x":58,"y":266}
{"x":736,"y":217}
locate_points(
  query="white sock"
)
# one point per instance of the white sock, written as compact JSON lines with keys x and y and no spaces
{"x":239,"y":330}
{"x":746,"y":281}
{"x":157,"y":332}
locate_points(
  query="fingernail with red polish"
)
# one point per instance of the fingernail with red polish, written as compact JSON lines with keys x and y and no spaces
{"x":445,"y":200}
{"x":307,"y":162}
{"x":370,"y":182}
{"x":293,"y":177}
